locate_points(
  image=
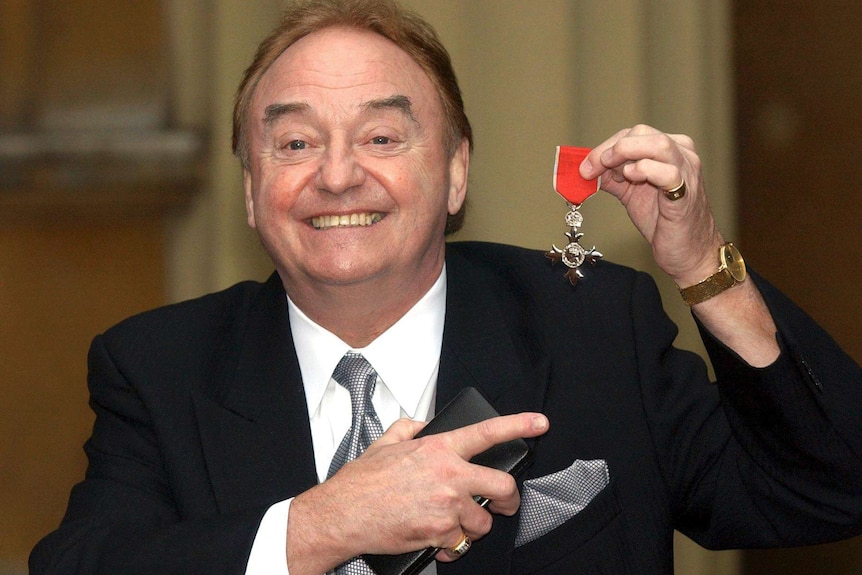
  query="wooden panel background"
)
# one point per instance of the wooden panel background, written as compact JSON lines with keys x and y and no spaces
{"x":799,"y":120}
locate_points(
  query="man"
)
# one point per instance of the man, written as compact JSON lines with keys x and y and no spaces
{"x":218,"y":420}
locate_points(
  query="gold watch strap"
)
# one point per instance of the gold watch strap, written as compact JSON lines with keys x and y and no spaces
{"x":711,"y":286}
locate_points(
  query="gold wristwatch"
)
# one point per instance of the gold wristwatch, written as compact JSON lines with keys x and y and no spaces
{"x":731,"y":271}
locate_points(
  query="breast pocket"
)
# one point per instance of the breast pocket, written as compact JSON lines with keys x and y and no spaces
{"x":593,"y":541}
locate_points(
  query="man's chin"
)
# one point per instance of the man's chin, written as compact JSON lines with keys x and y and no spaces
{"x":345,"y":272}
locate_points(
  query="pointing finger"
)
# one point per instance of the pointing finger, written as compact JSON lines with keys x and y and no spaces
{"x":474,"y":439}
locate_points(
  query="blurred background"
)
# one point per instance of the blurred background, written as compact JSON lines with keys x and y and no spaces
{"x":118,"y":192}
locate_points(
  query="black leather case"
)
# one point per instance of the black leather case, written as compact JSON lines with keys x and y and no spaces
{"x":467,"y":408}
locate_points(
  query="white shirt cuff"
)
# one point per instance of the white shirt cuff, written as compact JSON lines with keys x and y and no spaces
{"x":269,"y":551}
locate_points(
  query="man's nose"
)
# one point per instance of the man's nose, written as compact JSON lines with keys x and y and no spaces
{"x":340,"y":170}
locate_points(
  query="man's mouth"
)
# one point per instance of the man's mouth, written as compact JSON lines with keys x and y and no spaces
{"x":345,"y":221}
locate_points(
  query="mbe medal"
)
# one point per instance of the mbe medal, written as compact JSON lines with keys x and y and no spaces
{"x":575,"y":190}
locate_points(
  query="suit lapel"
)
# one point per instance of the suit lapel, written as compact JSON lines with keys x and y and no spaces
{"x":486,"y":344}
{"x":252,"y":417}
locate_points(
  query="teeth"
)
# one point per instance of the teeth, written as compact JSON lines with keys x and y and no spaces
{"x":325,"y":222}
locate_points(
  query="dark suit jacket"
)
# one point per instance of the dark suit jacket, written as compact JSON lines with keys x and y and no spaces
{"x":202,"y":424}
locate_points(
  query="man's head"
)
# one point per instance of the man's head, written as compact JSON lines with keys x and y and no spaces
{"x":384,"y":17}
{"x":352,"y":166}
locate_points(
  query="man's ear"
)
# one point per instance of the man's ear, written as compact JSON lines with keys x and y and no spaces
{"x":459,"y":167}
{"x":249,"y":198}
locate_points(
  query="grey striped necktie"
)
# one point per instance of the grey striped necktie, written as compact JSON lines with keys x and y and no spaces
{"x":356,"y":374}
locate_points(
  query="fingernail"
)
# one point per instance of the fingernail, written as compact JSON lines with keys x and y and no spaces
{"x":586,"y":167}
{"x":540,"y":422}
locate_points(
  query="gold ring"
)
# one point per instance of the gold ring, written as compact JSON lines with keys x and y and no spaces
{"x":462,"y":546}
{"x":677,"y":192}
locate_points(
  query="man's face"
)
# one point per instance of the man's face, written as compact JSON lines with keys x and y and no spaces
{"x":349,"y":179}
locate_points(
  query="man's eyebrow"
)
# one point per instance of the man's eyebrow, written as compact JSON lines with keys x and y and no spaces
{"x":275,"y":111}
{"x":397,"y":102}
{"x":403,"y":104}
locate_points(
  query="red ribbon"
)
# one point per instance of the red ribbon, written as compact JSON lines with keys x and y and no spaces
{"x":567,"y":178}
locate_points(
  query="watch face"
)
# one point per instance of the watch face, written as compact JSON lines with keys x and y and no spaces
{"x":734,"y":262}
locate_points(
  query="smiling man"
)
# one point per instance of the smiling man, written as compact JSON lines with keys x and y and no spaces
{"x":270,"y":428}
{"x":350,"y":178}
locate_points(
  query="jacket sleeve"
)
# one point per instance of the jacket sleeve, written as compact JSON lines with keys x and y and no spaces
{"x":778,"y":461}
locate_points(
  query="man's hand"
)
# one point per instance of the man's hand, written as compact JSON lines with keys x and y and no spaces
{"x":636,"y":165}
{"x":405,"y":494}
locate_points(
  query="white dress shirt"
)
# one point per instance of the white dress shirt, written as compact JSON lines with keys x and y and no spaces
{"x":406,"y":358}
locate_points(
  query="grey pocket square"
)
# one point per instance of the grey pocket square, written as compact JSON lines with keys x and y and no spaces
{"x":548,"y":502}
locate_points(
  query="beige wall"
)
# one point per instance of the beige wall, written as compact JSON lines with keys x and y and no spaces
{"x":535,"y":74}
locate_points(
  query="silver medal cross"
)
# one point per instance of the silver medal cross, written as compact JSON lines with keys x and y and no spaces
{"x":574,"y":254}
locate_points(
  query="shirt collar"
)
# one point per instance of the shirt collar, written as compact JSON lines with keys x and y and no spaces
{"x":405,"y":356}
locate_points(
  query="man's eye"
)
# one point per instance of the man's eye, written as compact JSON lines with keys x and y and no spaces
{"x":380,"y":140}
{"x":296,"y":145}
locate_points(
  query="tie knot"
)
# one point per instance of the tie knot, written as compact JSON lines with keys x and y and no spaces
{"x":356,"y":375}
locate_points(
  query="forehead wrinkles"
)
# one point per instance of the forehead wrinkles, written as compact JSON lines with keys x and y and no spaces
{"x":352,"y":60}
{"x":397,"y":104}
{"x":312,"y":101}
